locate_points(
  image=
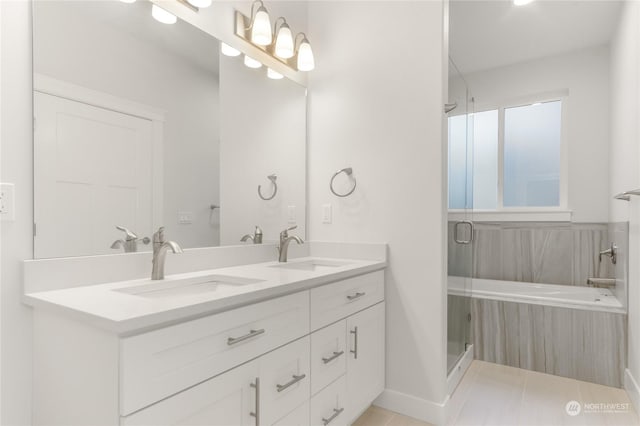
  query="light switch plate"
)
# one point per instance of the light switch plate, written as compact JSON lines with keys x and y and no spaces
{"x":291,"y":214}
{"x":185,"y":218}
{"x":7,"y":202}
{"x":326,"y":213}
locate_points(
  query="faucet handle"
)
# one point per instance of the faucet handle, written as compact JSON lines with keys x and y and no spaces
{"x":158,"y":236}
{"x":130,"y":235}
{"x":285,"y":233}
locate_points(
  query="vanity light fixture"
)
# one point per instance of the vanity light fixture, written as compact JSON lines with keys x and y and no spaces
{"x":521,"y":2}
{"x":284,"y":48}
{"x":305,"y":54}
{"x":201,"y":4}
{"x":251,"y":63}
{"x":260,"y":25}
{"x":228,"y":50}
{"x":274,"y":75}
{"x":161,"y":15}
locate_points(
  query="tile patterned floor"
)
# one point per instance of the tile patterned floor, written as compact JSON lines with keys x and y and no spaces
{"x":496,"y":395}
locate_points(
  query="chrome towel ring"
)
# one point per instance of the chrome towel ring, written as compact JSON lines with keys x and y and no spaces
{"x":349,"y":172}
{"x":272,"y":178}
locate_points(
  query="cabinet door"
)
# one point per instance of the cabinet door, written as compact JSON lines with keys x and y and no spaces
{"x":298,"y":417}
{"x":365,"y":360}
{"x":229,"y":399}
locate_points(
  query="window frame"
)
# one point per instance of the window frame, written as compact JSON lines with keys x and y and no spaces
{"x":560,"y":213}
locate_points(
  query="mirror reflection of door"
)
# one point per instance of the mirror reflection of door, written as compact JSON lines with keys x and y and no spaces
{"x":93,"y":172}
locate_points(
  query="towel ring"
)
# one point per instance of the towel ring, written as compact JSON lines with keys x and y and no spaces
{"x":349,"y":172}
{"x":272,"y":178}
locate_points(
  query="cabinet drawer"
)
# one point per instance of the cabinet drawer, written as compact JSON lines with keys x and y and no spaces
{"x":328,"y":407}
{"x":338,"y":300}
{"x":161,"y":363}
{"x":328,"y":355}
{"x":298,"y":417}
{"x":284,"y":380}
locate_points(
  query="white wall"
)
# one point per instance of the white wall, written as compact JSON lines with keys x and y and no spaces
{"x":625,"y":162}
{"x":262,"y":132}
{"x":17,"y":237}
{"x":585,"y":74}
{"x":107,"y":59}
{"x":376,"y":100}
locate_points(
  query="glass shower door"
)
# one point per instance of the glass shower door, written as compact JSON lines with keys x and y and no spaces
{"x":460,"y":217}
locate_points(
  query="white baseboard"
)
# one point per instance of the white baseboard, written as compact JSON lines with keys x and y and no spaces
{"x":632,"y":388}
{"x":454,"y":378}
{"x":409,"y":405}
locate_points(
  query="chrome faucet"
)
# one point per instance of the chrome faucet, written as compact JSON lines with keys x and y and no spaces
{"x":285,"y":239}
{"x":130,"y":242}
{"x":612,"y":252}
{"x":256,"y":237}
{"x":160,"y":247}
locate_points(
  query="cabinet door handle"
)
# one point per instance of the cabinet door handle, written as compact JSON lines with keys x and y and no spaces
{"x":355,"y":342}
{"x":332,"y":357}
{"x":358,"y":295}
{"x":336,"y":413}
{"x":249,"y":335}
{"x":291,"y":382}
{"x":256,"y":412}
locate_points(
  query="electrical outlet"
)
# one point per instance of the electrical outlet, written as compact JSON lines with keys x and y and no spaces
{"x":291,"y":214}
{"x":326,"y":213}
{"x":7,"y":201}
{"x":185,"y":218}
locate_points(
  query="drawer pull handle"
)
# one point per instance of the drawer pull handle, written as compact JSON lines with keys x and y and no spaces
{"x":249,"y":335}
{"x":358,"y":295}
{"x":256,"y":412}
{"x":355,"y":342}
{"x":291,"y":382}
{"x":336,"y":413}
{"x":332,"y":357}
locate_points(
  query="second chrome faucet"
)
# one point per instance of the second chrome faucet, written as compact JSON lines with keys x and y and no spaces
{"x":285,"y":239}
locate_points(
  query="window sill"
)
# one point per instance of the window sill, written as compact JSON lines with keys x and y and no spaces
{"x":541,"y":215}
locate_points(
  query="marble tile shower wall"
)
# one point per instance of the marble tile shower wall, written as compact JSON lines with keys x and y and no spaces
{"x":535,"y":252}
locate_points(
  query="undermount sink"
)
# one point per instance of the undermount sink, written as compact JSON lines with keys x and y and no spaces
{"x":311,"y":265}
{"x":188,"y":286}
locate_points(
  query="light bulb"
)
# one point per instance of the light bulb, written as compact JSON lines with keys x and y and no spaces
{"x":284,"y":42}
{"x":251,"y":63}
{"x":305,"y":56}
{"x":200,"y":3}
{"x":274,"y":75}
{"x":261,"y":28}
{"x":162,"y":15}
{"x":228,"y":50}
{"x":521,"y":2}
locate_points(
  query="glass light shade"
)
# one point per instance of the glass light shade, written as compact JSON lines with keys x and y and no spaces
{"x":274,"y":75}
{"x":200,"y":3}
{"x":305,"y":56}
{"x":521,"y":2}
{"x":251,"y":63}
{"x":284,"y":42}
{"x":228,"y":50}
{"x":261,"y":28}
{"x":161,"y":15}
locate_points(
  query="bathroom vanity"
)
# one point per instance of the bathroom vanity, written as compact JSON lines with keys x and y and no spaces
{"x":292,"y":343}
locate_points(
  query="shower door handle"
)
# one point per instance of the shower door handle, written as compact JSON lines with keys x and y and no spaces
{"x":471,"y":231}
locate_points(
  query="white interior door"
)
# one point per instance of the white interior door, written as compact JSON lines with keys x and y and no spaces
{"x":93,"y":171}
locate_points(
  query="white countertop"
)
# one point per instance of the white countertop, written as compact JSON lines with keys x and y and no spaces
{"x":126,"y":314}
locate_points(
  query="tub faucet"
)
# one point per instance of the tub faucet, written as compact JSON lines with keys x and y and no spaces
{"x":285,"y":239}
{"x":160,"y":247}
{"x":612,"y":252}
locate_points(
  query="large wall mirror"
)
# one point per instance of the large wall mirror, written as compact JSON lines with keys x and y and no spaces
{"x":140,"y":124}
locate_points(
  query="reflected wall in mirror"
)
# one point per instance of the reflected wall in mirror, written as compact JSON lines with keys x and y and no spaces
{"x":137,"y":125}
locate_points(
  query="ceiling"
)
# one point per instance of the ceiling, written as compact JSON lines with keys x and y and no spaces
{"x":485,"y":34}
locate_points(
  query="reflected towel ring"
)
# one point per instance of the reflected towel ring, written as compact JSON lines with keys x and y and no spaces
{"x":349,"y":172}
{"x":272,"y":178}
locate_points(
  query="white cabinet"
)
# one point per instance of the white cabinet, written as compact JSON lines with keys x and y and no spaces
{"x":329,"y":407}
{"x":365,"y":361}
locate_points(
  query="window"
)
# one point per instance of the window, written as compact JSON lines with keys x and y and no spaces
{"x":512,"y":160}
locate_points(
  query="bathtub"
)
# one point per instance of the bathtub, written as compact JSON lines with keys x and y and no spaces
{"x":562,"y":296}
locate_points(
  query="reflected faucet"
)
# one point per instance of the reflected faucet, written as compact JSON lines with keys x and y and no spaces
{"x":160,"y":247}
{"x":612,"y":252}
{"x":285,"y":239}
{"x":130,"y":243}
{"x":256,"y":237}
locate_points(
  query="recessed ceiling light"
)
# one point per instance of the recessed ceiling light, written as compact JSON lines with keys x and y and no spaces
{"x":162,"y":15}
{"x":274,"y":75}
{"x":521,"y":2}
{"x":228,"y":50}
{"x":251,"y":63}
